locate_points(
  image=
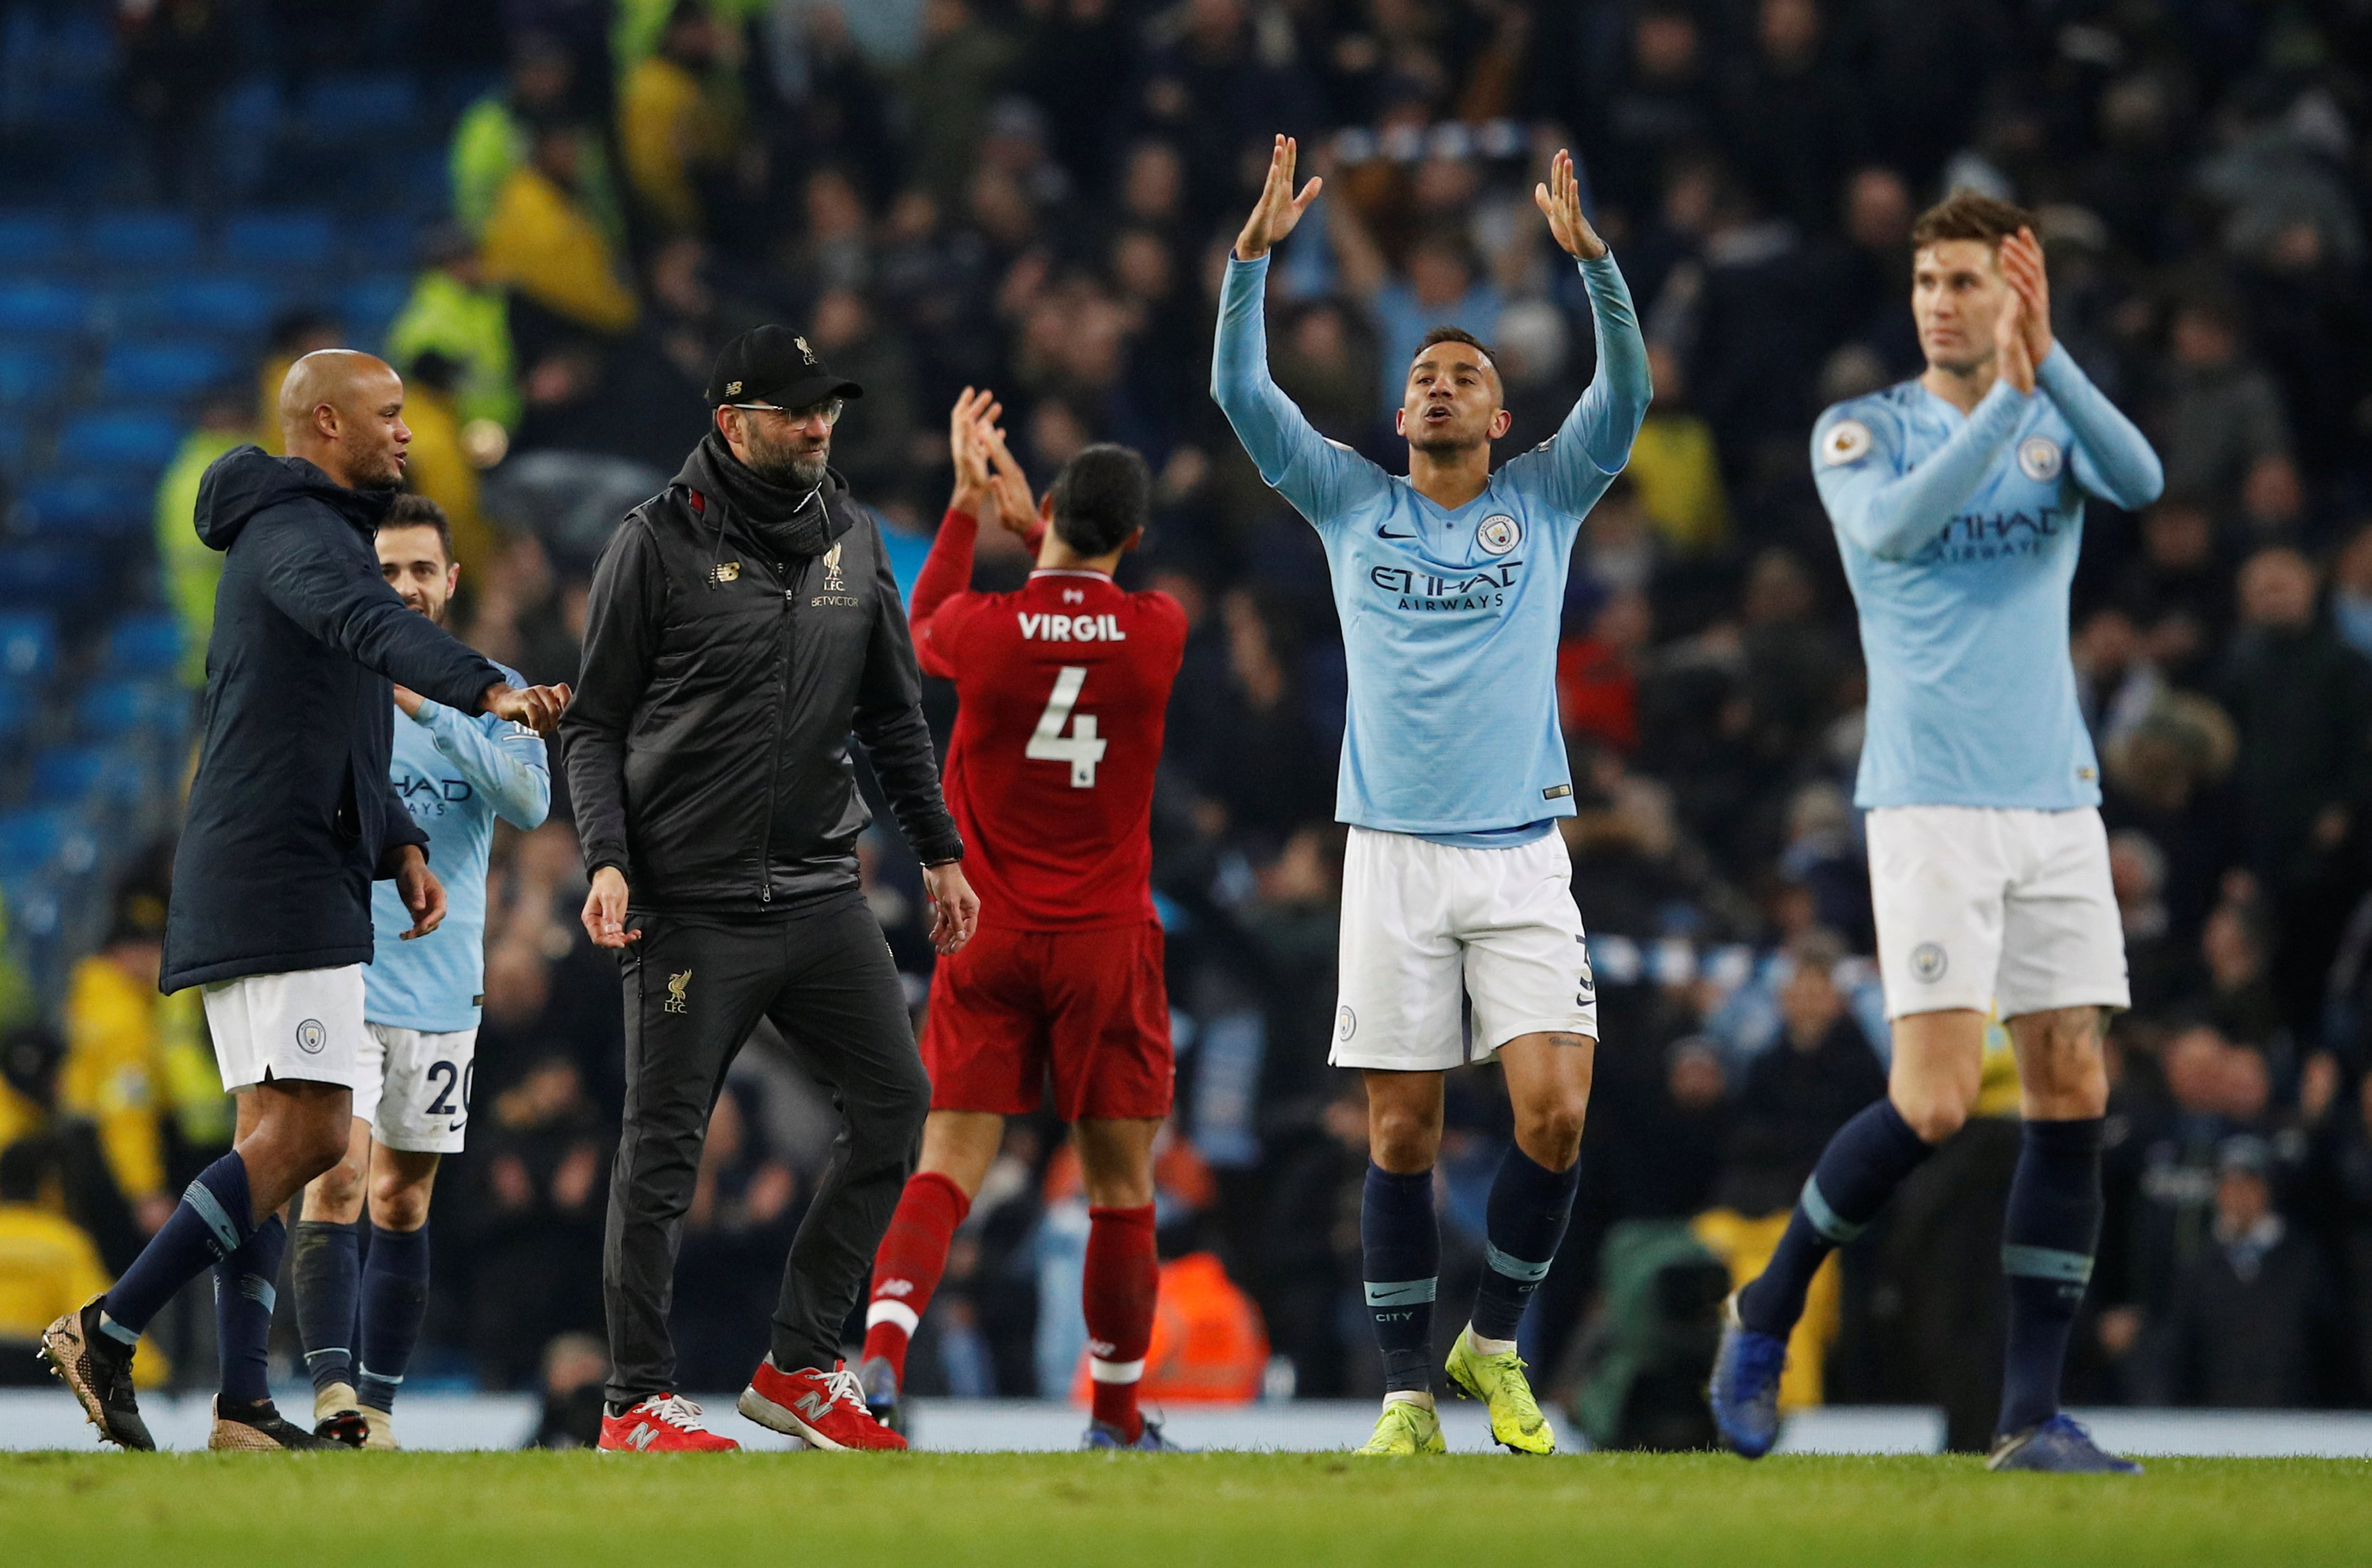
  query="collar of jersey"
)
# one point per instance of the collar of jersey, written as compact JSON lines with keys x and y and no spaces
{"x":1435,"y":508}
{"x":1038,"y":571}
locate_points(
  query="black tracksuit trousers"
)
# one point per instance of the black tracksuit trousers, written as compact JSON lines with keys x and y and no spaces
{"x":695,"y":987}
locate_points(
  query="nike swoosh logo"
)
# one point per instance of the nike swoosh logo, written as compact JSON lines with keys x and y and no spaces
{"x":1383,"y":532}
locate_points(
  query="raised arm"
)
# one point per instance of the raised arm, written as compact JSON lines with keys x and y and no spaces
{"x":1592,"y":444}
{"x":1893,"y":512}
{"x":2113,"y":460}
{"x":503,"y":762}
{"x":1303,"y":466}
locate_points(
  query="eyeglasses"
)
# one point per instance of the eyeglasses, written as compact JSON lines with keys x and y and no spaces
{"x":830,"y":409}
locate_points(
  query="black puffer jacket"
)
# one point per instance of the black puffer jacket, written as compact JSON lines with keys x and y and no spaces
{"x":291,"y":814}
{"x":708,"y":745}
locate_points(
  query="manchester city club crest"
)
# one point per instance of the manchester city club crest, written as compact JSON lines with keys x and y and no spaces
{"x":311,"y":1036}
{"x":1499,"y":534}
{"x":1928,"y":963}
{"x":2040,"y":459}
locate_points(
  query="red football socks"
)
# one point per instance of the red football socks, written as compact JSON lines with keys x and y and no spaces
{"x":907,"y":1268}
{"x":1122,"y":1281}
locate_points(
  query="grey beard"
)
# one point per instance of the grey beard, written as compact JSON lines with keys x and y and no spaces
{"x":789,"y":470}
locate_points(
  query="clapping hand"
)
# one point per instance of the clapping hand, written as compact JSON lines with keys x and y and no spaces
{"x":2022,"y":263}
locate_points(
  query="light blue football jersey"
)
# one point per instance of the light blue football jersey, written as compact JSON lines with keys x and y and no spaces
{"x":455,"y":772}
{"x":1449,"y":619}
{"x":1959,"y":536}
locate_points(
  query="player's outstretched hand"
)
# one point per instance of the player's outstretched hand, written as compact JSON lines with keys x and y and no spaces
{"x":1559,"y":199}
{"x":1278,"y":208}
{"x":955,"y":907}
{"x":2013,"y":361}
{"x":966,"y":446}
{"x":537,"y":707}
{"x":2022,"y":263}
{"x":422,"y":895}
{"x":605,"y":910}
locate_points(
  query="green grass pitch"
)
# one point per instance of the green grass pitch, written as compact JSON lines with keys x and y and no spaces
{"x":1233,"y":1510}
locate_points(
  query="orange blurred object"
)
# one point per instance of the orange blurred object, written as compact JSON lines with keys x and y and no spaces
{"x":1209,"y":1344}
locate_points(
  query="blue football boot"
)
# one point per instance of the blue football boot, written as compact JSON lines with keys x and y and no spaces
{"x":2058,"y":1446}
{"x":1149,"y":1441}
{"x":1745,"y":1391}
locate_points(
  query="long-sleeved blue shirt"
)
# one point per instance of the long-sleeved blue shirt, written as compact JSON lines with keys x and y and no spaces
{"x":455,"y":774}
{"x":1450,"y":618}
{"x":1959,"y":536}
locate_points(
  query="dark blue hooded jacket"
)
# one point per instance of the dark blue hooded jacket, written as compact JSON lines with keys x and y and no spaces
{"x":291,"y":814}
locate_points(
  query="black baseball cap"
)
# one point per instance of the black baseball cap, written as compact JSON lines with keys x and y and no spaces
{"x":775,"y":365}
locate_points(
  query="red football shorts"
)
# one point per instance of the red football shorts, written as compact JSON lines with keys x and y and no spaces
{"x":1089,"y":1006}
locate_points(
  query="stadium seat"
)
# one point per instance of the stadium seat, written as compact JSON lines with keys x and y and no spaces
{"x":142,"y":241}
{"x":356,"y":104}
{"x":28,"y":644}
{"x":118,"y":440}
{"x":83,"y":505}
{"x":16,"y":447}
{"x":54,"y":571}
{"x":279,"y":242}
{"x":34,"y":242}
{"x":143,"y":643}
{"x":369,"y":305}
{"x":70,"y":775}
{"x":17,"y":707}
{"x":155,"y":370}
{"x":114,"y":708}
{"x":31,"y":377}
{"x":30,"y":840}
{"x":31,"y":306}
{"x":237,"y":306}
{"x":384,"y":242}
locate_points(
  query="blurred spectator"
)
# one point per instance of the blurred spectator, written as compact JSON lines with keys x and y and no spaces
{"x":574,"y":1368}
{"x":495,"y":137}
{"x":1597,"y":675}
{"x":440,"y":464}
{"x":2253,"y":1320}
{"x":192,"y":567}
{"x":2351,"y":590}
{"x":48,"y":1265}
{"x":177,"y":57}
{"x":542,"y":238}
{"x":453,"y":312}
{"x":1436,"y":283}
{"x":2179,"y":591}
{"x":1794,"y":111}
{"x":2220,"y":427}
{"x":2154,"y":967}
{"x":679,"y":118}
{"x":950,"y":85}
{"x":2302,"y":701}
{"x":1673,"y":463}
{"x":533,"y":1212}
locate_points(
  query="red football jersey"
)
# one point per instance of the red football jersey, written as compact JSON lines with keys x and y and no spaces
{"x":1063,"y":689}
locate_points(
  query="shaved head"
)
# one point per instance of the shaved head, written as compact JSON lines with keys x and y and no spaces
{"x":343,"y":410}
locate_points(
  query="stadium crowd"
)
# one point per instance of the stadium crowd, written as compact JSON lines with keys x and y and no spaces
{"x":1034,"y":195}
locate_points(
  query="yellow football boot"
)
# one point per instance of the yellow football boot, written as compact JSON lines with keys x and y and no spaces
{"x":1406,"y":1429}
{"x":1499,"y":1382}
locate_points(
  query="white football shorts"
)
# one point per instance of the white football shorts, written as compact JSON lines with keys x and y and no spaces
{"x":414,"y":1089}
{"x":1450,"y":953}
{"x":1982,"y":908}
{"x":306,"y":1026}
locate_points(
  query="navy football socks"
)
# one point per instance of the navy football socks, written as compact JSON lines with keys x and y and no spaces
{"x":1529,"y":1207}
{"x":1858,"y":1172}
{"x":1401,"y":1243}
{"x":326,"y":1273}
{"x":395,"y":1299}
{"x":244,"y":1292}
{"x":212,"y":1220}
{"x":2049,"y":1233}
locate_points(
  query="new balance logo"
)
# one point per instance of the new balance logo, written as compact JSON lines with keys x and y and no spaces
{"x":812,"y":1405}
{"x":643,"y":1436}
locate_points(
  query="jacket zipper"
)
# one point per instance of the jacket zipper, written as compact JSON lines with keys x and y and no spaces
{"x":774,"y":761}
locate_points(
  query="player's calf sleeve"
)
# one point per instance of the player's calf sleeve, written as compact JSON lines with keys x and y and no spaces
{"x":1122,"y":1287}
{"x":395,"y":1299}
{"x":1526,"y":1218}
{"x":2049,"y":1233}
{"x":326,"y":1273}
{"x":1858,"y":1172}
{"x":244,"y":1293}
{"x":212,"y":1220}
{"x":1400,"y":1246}
{"x":906,"y":1269}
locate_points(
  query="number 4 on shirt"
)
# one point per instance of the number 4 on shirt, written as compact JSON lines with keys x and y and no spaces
{"x":1081,"y":747}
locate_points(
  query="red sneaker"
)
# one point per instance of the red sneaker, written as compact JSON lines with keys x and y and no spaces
{"x":825,"y":1408}
{"x":663,"y":1423}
